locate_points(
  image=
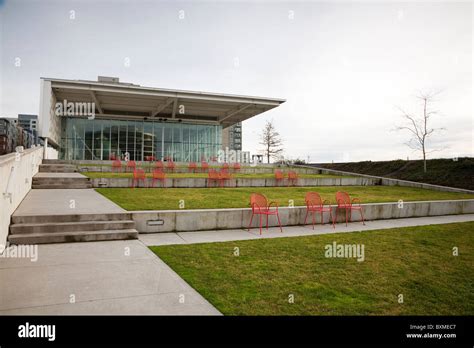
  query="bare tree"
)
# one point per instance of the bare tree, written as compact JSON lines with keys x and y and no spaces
{"x":418,"y":125}
{"x":271,"y":140}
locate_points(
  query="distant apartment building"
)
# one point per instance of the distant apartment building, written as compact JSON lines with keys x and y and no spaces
{"x":13,"y":121}
{"x":232,"y":137}
{"x":13,"y":135}
{"x":28,"y":122}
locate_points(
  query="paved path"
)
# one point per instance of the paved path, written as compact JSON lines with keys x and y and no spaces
{"x":293,"y":231}
{"x":58,"y":202}
{"x":101,"y":278}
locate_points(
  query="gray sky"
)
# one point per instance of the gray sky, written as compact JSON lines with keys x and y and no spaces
{"x":343,"y":67}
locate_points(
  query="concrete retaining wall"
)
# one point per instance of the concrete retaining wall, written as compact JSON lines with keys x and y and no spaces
{"x":214,"y":219}
{"x":202,"y":182}
{"x":392,"y":182}
{"x":16,"y":172}
{"x":244,"y":170}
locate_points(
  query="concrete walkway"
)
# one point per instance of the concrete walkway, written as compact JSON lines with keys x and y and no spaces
{"x":294,"y":231}
{"x":113,"y":277}
{"x":59,"y":202}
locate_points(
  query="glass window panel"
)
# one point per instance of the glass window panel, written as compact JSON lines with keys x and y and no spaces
{"x":131,"y":140}
{"x":88,"y":135}
{"x":148,"y":140}
{"x":97,"y":148}
{"x":106,"y":141}
{"x":122,"y":139}
{"x":157,"y":131}
{"x":114,"y":140}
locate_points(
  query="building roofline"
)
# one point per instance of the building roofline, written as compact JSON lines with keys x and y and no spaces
{"x":182,"y":93}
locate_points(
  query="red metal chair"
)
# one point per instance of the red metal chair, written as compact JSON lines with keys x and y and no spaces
{"x":315,"y":204}
{"x":150,"y":158}
{"x":260,"y":206}
{"x":138,"y":174}
{"x":224,"y":176}
{"x":204,"y":166}
{"x":159,"y":165}
{"x":117,"y":166}
{"x":292,"y":178}
{"x":279,"y":177}
{"x":192,"y":167}
{"x":131,"y":165}
{"x":158,"y":175}
{"x":170,"y":166}
{"x":344,"y":202}
{"x":236,"y":167}
{"x":212,"y":177}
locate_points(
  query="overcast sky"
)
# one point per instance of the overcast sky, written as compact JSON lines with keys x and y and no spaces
{"x":343,"y":67}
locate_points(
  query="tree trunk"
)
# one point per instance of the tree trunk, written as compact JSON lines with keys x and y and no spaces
{"x":425,"y":119}
{"x":424,"y":160}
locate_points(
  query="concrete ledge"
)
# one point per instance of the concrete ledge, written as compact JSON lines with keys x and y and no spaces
{"x":215,"y":219}
{"x":202,"y":182}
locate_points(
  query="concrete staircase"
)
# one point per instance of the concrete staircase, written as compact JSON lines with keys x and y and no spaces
{"x":65,"y":228}
{"x":58,"y":175}
{"x":41,"y":229}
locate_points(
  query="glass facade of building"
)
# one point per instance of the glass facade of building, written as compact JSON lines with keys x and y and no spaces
{"x":102,"y":139}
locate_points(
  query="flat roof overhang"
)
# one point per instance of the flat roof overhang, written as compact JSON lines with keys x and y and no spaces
{"x":128,"y":101}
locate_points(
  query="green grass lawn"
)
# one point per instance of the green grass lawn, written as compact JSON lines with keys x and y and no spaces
{"x":416,"y":262}
{"x":205,"y":175}
{"x":211,"y":198}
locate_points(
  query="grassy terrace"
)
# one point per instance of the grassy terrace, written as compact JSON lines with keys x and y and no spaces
{"x":205,"y":175}
{"x":441,"y":171}
{"x":416,"y":262}
{"x":210,"y":198}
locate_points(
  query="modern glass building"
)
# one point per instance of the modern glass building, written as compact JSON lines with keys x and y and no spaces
{"x":106,"y":119}
{"x":103,"y":139}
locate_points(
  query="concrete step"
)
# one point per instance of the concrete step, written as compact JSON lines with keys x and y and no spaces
{"x":63,"y":227}
{"x":51,"y":161}
{"x":25,"y":219}
{"x":61,"y":182}
{"x":57,"y":168}
{"x":68,"y":237}
{"x":59,"y":179}
{"x":55,"y":165}
{"x":61,"y":186}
